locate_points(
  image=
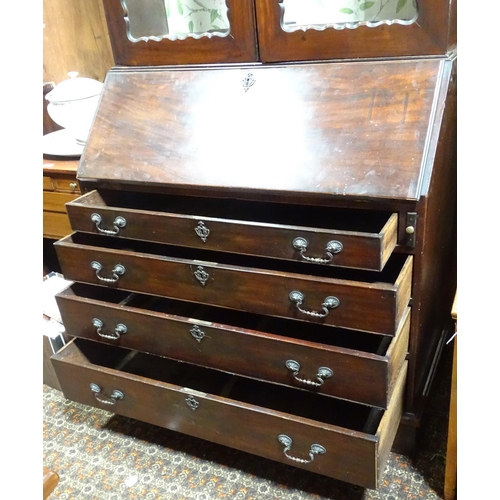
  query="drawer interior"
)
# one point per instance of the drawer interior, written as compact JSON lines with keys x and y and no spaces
{"x":283,"y":399}
{"x":313,"y":333}
{"x":367,"y":221}
{"x":389,"y":274}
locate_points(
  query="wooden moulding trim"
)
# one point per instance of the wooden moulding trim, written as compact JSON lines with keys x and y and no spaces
{"x":435,"y":120}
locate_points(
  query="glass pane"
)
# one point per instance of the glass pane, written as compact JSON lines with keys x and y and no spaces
{"x":340,"y":14}
{"x":175,"y":19}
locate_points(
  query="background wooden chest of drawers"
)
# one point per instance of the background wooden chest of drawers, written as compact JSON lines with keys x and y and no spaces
{"x":59,"y":187}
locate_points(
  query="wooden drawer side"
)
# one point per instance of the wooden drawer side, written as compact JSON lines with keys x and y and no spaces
{"x":403,"y":286}
{"x":389,"y":235}
{"x":389,"y":424}
{"x":397,"y":353}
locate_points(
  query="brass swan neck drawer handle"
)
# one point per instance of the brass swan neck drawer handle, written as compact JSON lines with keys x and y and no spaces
{"x":118,"y":223}
{"x":332,"y":248}
{"x":115,"y":395}
{"x":120,"y":329}
{"x":316,"y":449}
{"x":323,"y":372}
{"x":118,"y":271}
{"x":329,"y":303}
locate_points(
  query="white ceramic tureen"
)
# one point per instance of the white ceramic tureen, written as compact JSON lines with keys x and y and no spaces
{"x":73,"y":103}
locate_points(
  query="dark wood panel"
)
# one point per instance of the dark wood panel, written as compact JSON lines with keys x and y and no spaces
{"x":326,"y":130}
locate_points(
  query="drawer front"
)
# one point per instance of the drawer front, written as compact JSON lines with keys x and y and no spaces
{"x":364,"y":376}
{"x":324,"y":448}
{"x":66,"y":184}
{"x":55,"y":202}
{"x":55,"y":225}
{"x":47,"y":184}
{"x":320,"y":246}
{"x":376,"y":307}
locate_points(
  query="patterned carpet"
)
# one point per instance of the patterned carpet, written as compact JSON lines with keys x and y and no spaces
{"x":102,"y":456}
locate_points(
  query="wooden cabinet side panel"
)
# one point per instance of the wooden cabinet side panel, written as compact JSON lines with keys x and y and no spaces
{"x":434,"y":278}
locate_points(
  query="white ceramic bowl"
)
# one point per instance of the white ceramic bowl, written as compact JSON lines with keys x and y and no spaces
{"x":73,"y":103}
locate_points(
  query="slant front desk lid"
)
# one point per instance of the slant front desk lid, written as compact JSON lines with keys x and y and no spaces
{"x":347,"y":129}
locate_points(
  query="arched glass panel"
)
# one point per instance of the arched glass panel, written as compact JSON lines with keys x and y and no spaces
{"x":340,"y":14}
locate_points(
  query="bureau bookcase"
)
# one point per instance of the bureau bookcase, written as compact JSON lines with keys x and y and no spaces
{"x":263,"y":253}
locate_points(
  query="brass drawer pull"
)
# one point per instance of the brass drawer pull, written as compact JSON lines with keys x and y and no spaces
{"x":118,"y":223}
{"x":329,"y":303}
{"x":323,"y":372}
{"x":120,"y":329}
{"x":115,"y":395}
{"x":314,"y":450}
{"x":332,"y":247}
{"x":118,"y":271}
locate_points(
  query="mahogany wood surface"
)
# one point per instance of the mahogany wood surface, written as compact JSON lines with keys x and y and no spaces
{"x":239,"y":46}
{"x":367,"y":239}
{"x":376,"y":306}
{"x":352,"y":454}
{"x":432,"y":34}
{"x":328,"y":131}
{"x":373,"y":134}
{"x":364,"y":369}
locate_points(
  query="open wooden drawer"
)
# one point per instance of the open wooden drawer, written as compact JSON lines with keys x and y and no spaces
{"x":357,"y":366}
{"x":362,"y":239}
{"x":332,"y":437}
{"x":347,"y":298}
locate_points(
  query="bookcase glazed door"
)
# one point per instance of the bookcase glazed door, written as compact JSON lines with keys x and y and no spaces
{"x":164,"y":32}
{"x":339,"y":29}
